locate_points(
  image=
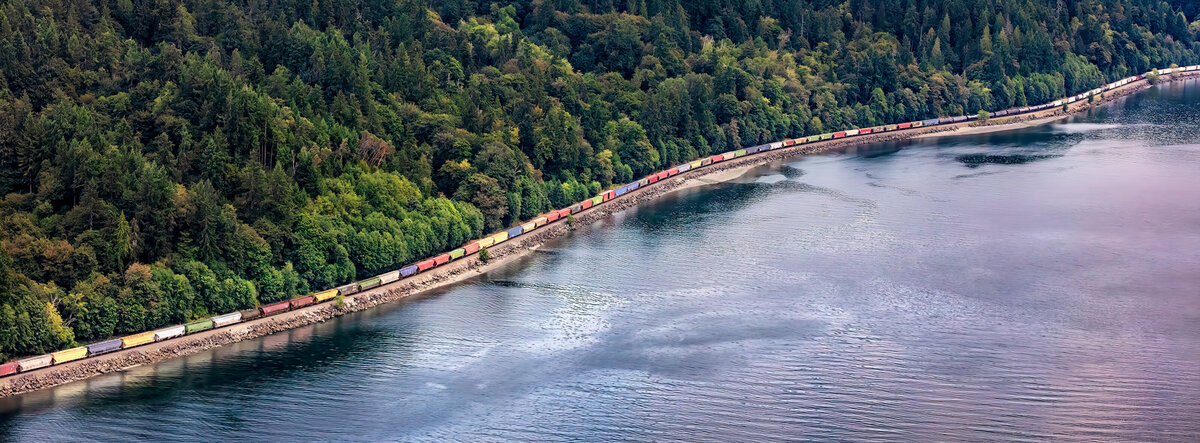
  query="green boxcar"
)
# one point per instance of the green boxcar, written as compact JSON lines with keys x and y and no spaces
{"x":739,"y":152}
{"x":198,"y":325}
{"x":827,"y":136}
{"x":813,"y":138}
{"x":457,"y":253}
{"x":369,"y":283}
{"x":597,"y":200}
{"x":890,"y":127}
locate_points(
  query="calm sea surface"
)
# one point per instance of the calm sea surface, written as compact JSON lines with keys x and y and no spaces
{"x":1042,"y":284}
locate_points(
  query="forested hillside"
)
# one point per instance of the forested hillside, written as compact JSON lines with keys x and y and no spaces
{"x":161,"y":160}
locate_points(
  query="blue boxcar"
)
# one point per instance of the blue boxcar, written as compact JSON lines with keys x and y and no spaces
{"x":929,"y":122}
{"x":408,"y":271}
{"x":620,"y":191}
{"x":634,"y":185}
{"x":104,"y":347}
{"x":515,"y":232}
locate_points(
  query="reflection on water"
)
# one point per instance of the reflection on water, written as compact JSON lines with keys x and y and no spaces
{"x":1037,"y":284}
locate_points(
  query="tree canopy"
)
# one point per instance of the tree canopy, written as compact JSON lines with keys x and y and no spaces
{"x":163,"y":160}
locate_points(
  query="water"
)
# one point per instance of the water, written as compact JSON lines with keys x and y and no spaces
{"x":1032,"y":285}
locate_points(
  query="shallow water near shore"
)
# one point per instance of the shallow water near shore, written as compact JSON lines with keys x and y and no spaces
{"x":1037,"y":284}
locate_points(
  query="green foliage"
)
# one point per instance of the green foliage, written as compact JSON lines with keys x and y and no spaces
{"x":984,"y":116}
{"x":164,"y":161}
{"x":1153,"y":77}
{"x":484,"y":255}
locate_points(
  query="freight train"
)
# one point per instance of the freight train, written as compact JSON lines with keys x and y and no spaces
{"x":223,"y":320}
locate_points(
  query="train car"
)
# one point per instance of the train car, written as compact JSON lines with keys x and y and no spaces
{"x":728,"y":156}
{"x":135,"y":340}
{"x":275,"y":308}
{"x":294,"y":303}
{"x":670,"y":173}
{"x":411,"y":270}
{"x":608,"y":195}
{"x":426,"y":265}
{"x":753,"y":149}
{"x":633,"y":186}
{"x":457,"y":253}
{"x":693,"y":165}
{"x":865,"y":131}
{"x":894,"y":127}
{"x":777,"y":145}
{"x":959,"y":119}
{"x":826,"y":136}
{"x":69,"y":355}
{"x":227,"y":319}
{"x":206,"y":324}
{"x":31,"y":363}
{"x":587,"y":204}
{"x":662,"y":175}
{"x":388,"y":277}
{"x":474,"y":246}
{"x":930,"y":122}
{"x":445,"y":258}
{"x":176,"y":331}
{"x":9,"y":368}
{"x":515,"y":231}
{"x":839,"y":134}
{"x":104,"y":347}
{"x":527,"y":227}
{"x":852,"y":132}
{"x":345,"y":289}
{"x":563,"y":213}
{"x":370,"y":283}
{"x":576,"y":208}
{"x":331,"y":293}
{"x":644,"y":181}
{"x":1071,"y":100}
{"x":739,"y":153}
{"x":904,"y":125}
{"x":715,"y":159}
{"x":497,"y":238}
{"x":916,"y":124}
{"x":653,"y":178}
{"x":620,"y":191}
{"x":597,"y":200}
{"x":684,"y":167}
{"x":250,"y":314}
{"x":703,"y":162}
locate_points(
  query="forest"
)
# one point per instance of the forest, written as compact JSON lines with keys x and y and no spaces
{"x":164,"y":160}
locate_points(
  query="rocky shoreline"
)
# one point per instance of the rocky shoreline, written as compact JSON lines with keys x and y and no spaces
{"x":467,"y":267}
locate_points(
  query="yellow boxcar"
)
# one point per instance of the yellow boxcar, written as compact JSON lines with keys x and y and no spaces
{"x":696,"y":164}
{"x":69,"y":354}
{"x":325,"y":295}
{"x":539,"y":222}
{"x":137,"y":340}
{"x":528,"y":227}
{"x":486,"y":241}
{"x":499,"y":238}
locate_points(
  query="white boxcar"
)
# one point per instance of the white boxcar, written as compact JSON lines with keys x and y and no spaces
{"x":171,"y":332}
{"x":227,"y":319}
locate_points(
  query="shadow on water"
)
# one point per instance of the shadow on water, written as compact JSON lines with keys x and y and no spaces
{"x":977,"y":160}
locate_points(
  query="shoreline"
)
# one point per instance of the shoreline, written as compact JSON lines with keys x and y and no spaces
{"x":510,"y":251}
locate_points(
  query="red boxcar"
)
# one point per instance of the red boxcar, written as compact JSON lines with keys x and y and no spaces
{"x":717,"y":158}
{"x":302,"y":301}
{"x":8,"y":369}
{"x":664,"y":174}
{"x":425,"y":265}
{"x":789,"y":142}
{"x":564,"y":212}
{"x":672,"y":171}
{"x":839,"y":134}
{"x":864,"y":131}
{"x":586,"y":204}
{"x":551,"y":217}
{"x":441,"y":259}
{"x":471,"y":247}
{"x":904,"y":126}
{"x":653,"y":178}
{"x":609,"y":195}
{"x":274,"y":308}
